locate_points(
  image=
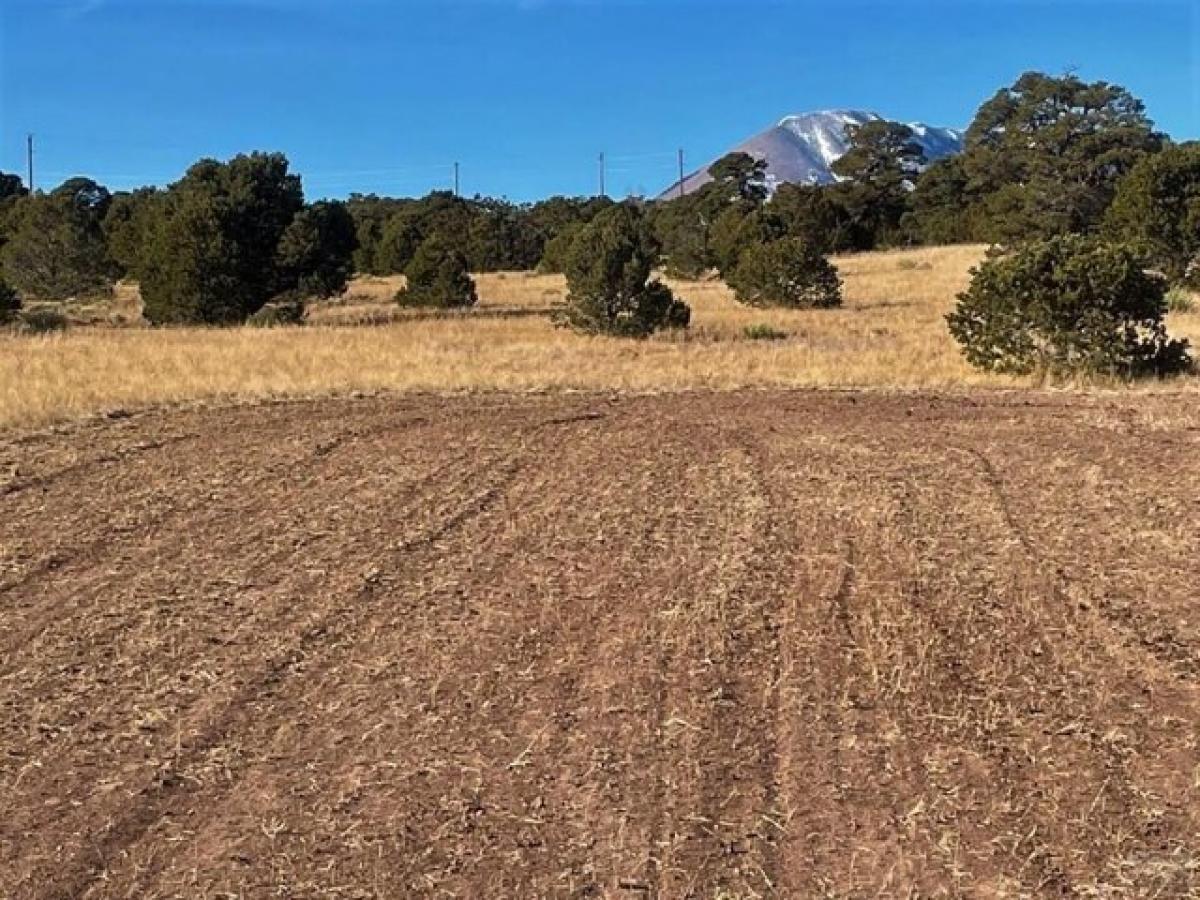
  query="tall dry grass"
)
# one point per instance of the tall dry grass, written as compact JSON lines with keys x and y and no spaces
{"x":890,"y":334}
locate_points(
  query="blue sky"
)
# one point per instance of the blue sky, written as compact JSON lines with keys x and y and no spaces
{"x":369,"y":95}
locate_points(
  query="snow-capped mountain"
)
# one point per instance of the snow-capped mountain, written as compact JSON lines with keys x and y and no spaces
{"x":801,"y":149}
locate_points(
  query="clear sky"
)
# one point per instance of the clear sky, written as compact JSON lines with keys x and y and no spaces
{"x":369,"y":95}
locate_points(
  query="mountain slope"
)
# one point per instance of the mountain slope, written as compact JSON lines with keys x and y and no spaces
{"x":801,"y":149}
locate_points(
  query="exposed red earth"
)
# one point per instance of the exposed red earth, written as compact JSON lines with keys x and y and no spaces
{"x":760,"y":644}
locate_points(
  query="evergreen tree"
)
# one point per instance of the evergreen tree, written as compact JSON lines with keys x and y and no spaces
{"x":788,"y":272}
{"x":878,"y":172}
{"x":315,"y":257}
{"x":812,"y":213}
{"x":1044,"y":156}
{"x":553,"y":216}
{"x":212,"y":255}
{"x":502,"y":237}
{"x":11,"y":187}
{"x":10,"y":302}
{"x":438,"y":276}
{"x":881,"y":153}
{"x":557,"y":249}
{"x":741,"y":226}
{"x":608,"y":279}
{"x":1157,"y":209}
{"x":682,"y":227}
{"x":1067,"y":305}
{"x":398,"y":242}
{"x":741,"y":176}
{"x":127,"y":225}
{"x":371,"y":216}
{"x":940,"y":204}
{"x":56,"y":248}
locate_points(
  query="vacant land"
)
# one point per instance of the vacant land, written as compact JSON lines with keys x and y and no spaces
{"x":891,"y":333}
{"x":713,"y":645}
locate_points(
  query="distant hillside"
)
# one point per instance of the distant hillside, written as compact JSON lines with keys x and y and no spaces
{"x":801,"y":149}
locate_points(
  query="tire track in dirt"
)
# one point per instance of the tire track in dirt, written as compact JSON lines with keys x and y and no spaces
{"x":714,"y":646}
{"x":153,"y":535}
{"x":74,"y":877}
{"x":82,"y":551}
{"x":323,"y":641}
{"x":165,"y":546}
{"x":1045,"y":868}
{"x":1151,"y":670}
{"x":200,"y":647}
{"x":1137,"y":635}
{"x":88,"y":466}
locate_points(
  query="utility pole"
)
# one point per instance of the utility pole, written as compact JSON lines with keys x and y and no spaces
{"x":602,"y":192}
{"x":456,"y":179}
{"x":680,"y":173}
{"x":29,"y":157}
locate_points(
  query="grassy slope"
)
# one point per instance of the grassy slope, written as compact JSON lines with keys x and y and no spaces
{"x":890,"y":334}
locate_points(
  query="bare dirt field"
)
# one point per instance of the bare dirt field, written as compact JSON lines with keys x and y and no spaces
{"x":706,"y":645}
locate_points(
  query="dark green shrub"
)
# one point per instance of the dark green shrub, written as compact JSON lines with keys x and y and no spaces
{"x":789,"y":272}
{"x":438,"y":277}
{"x":608,"y":279}
{"x":1064,"y":306}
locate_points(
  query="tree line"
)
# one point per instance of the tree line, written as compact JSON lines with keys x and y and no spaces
{"x":1046,"y":156}
{"x":232,"y":237}
{"x":1044,"y":159}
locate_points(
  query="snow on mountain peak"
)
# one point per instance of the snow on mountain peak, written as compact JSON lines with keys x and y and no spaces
{"x":802,"y":148}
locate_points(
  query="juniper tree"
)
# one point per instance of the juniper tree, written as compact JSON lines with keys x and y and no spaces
{"x":438,"y":276}
{"x":610,"y":289}
{"x":1157,"y":209}
{"x":56,"y":248}
{"x":213,"y":251}
{"x":1067,"y":305}
{"x":788,"y":272}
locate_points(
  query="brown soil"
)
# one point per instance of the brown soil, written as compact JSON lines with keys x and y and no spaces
{"x":729,"y":645}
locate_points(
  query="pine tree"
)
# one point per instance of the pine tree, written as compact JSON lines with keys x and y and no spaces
{"x":1044,"y":156}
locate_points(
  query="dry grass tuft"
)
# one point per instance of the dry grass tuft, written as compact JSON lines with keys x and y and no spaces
{"x":890,"y":334}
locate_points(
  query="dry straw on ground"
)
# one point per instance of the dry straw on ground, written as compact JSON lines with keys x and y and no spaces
{"x":890,"y":334}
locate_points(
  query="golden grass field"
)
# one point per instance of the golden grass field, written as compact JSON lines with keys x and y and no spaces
{"x":889,"y":334}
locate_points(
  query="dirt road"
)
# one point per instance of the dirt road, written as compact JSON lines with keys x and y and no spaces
{"x":709,"y":646}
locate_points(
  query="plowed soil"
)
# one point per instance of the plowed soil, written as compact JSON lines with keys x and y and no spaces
{"x":712,"y":645}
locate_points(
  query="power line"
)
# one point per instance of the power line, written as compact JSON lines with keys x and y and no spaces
{"x":395,"y":177}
